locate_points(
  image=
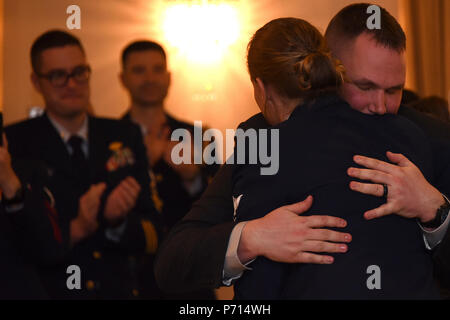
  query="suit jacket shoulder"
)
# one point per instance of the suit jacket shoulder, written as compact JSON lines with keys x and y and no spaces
{"x":25,"y":125}
{"x":433,"y":127}
{"x":255,"y":122}
{"x":23,"y":133}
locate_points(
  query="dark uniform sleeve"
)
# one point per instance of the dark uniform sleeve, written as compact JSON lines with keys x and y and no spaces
{"x":441,"y":254}
{"x":438,"y":133}
{"x":36,"y":222}
{"x":193,"y":254}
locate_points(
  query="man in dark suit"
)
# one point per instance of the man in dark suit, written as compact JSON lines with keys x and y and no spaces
{"x":147,"y":80}
{"x":97,"y":169}
{"x":212,"y":232}
{"x":175,"y":186}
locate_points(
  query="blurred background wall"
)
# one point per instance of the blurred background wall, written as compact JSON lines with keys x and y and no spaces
{"x":427,"y":25}
{"x":218,"y":92}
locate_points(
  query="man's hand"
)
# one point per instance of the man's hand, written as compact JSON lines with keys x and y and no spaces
{"x":121,"y":200}
{"x":409,"y":193}
{"x":187,"y":171}
{"x":86,"y":223}
{"x":9,"y":183}
{"x":156,"y":142}
{"x":284,"y":236}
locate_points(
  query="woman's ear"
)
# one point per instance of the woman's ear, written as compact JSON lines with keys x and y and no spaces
{"x":259,"y":92}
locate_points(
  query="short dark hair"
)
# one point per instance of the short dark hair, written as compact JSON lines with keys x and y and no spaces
{"x":351,"y":22}
{"x":48,"y":40}
{"x":141,"y":45}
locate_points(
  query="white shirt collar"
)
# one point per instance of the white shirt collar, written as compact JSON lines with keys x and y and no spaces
{"x":65,"y":134}
{"x":144,"y":129}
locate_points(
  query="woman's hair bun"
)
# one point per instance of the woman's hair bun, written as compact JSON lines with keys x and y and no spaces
{"x":292,"y":55}
{"x":319,"y":71}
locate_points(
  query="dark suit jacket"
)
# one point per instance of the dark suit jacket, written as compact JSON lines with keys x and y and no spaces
{"x":18,"y":277}
{"x":108,"y":268}
{"x":439,"y":135}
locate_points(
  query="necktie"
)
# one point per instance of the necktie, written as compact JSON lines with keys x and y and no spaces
{"x":80,"y":165}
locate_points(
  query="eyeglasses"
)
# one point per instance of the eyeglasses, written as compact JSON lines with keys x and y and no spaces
{"x":60,"y":78}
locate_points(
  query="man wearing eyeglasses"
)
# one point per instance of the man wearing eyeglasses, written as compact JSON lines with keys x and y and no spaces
{"x":97,"y":171}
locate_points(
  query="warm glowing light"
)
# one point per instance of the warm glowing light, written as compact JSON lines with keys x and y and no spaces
{"x":201,"y":32}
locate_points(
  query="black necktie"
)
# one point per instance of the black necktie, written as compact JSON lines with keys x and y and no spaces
{"x":80,"y":165}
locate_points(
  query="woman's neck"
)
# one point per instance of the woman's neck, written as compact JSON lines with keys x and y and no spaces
{"x":283,"y":108}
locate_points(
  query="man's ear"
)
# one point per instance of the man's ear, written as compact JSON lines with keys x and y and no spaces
{"x":122,"y":78}
{"x":259,"y":92}
{"x":35,"y":82}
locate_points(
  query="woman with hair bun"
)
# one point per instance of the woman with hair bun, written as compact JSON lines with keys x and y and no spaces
{"x":292,"y":59}
{"x":295,"y":82}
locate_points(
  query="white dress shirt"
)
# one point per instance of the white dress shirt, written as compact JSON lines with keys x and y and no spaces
{"x":66,"y":134}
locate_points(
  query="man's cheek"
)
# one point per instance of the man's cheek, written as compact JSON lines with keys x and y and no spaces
{"x":349,"y":93}
{"x":359,"y":102}
{"x":393,"y":104}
